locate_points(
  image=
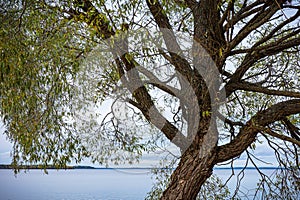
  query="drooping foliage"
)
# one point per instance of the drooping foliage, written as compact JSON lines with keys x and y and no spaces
{"x":215,"y":78}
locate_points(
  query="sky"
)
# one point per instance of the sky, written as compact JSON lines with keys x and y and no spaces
{"x":5,"y":148}
{"x":148,"y":160}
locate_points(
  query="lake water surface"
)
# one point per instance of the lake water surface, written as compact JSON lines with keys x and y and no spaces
{"x":90,"y":184}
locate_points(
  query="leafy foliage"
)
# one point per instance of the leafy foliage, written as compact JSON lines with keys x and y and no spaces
{"x":160,"y":83}
{"x":38,"y":65}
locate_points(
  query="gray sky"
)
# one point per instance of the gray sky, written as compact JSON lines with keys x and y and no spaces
{"x":148,"y":160}
{"x":5,"y":148}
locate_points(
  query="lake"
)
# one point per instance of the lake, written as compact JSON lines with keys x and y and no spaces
{"x":91,"y":184}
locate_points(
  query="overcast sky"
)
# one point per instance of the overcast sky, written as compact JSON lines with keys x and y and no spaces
{"x":5,"y":148}
{"x":149,"y":160}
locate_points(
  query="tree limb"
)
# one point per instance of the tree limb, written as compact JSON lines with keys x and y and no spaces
{"x":282,"y":42}
{"x":277,"y":28}
{"x":258,"y":20}
{"x":294,"y":131}
{"x":248,"y":132}
{"x":246,"y":86}
{"x":281,"y":137}
{"x":180,"y":63}
{"x":153,"y":80}
{"x":253,"y":57}
{"x":244,"y":12}
{"x":134,"y":83}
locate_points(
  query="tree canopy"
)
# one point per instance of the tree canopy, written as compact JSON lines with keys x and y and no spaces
{"x":213,"y":77}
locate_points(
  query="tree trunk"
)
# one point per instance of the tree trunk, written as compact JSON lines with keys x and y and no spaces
{"x":189,"y":176}
{"x":195,"y":165}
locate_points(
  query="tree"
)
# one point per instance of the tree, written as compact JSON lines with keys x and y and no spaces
{"x":244,"y":53}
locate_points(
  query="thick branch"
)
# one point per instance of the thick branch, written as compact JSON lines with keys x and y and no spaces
{"x":161,"y":19}
{"x":257,"y":123}
{"x":146,"y":105}
{"x":133,"y":81}
{"x":230,"y":7}
{"x":246,"y":86}
{"x":208,"y":30}
{"x":153,"y":80}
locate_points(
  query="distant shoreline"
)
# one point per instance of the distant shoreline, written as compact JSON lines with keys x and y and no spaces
{"x":32,"y":167}
{"x":5,"y":166}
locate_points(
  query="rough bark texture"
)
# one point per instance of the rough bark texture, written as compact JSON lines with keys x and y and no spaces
{"x":189,"y":176}
{"x":194,"y":168}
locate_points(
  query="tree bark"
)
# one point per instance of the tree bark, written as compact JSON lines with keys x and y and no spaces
{"x":189,"y":176}
{"x":195,"y":168}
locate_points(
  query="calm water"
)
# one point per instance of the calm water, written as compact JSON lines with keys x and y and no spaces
{"x":78,"y":184}
{"x":89,"y":184}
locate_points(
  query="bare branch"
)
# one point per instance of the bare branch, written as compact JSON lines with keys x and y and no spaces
{"x":244,"y":12}
{"x":283,"y":42}
{"x":153,"y":80}
{"x":282,"y":137}
{"x":258,"y":20}
{"x":228,"y":121}
{"x":294,"y":131}
{"x":253,"y":57}
{"x":273,"y":49}
{"x":277,"y":28}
